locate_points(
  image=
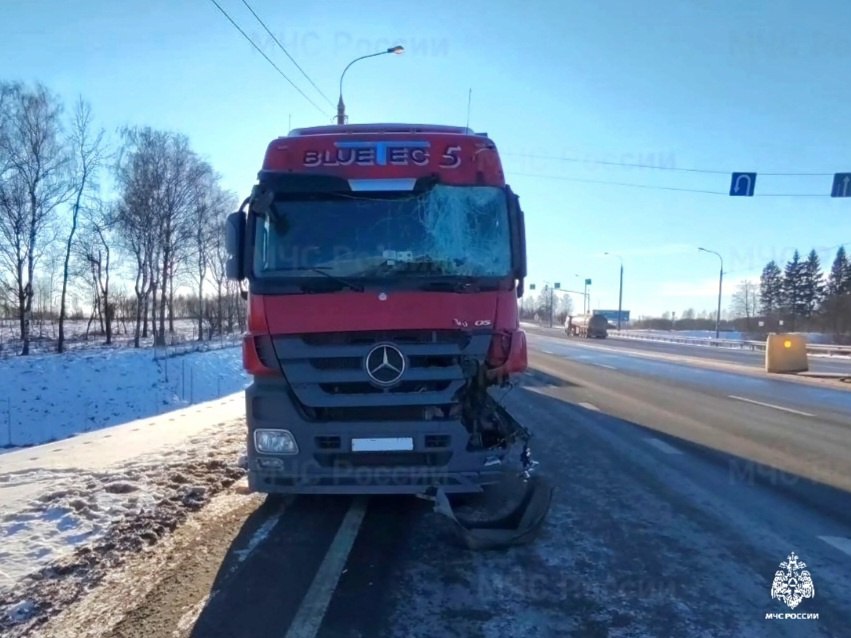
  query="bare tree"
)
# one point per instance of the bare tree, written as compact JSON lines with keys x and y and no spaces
{"x":160,"y":174}
{"x":139,"y":176}
{"x":94,"y":248}
{"x":88,"y":153}
{"x":212,"y":205}
{"x":184,"y":172}
{"x":745,"y":301}
{"x":218,"y":259}
{"x":33,"y":185}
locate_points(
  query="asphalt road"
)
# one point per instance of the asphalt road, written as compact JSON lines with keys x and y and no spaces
{"x":679,"y":490}
{"x":749,"y":358}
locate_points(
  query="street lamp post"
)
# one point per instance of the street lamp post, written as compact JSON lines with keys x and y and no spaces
{"x":620,"y":288}
{"x":552,"y":299}
{"x":720,"y":283}
{"x":341,"y":107}
{"x":586,"y":306}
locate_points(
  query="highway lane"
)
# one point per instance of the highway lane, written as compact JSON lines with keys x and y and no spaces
{"x":750,"y":358}
{"x":828,"y":403}
{"x":662,"y":524}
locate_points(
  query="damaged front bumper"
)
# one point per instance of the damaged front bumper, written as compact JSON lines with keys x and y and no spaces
{"x":325,"y":458}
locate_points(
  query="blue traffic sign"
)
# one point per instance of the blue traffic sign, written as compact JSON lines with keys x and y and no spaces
{"x":742,"y":184}
{"x":612,"y":315}
{"x":841,"y":185}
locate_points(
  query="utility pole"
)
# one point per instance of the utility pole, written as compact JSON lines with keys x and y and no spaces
{"x":552,"y":298}
{"x":553,"y":288}
{"x":620,"y":298}
{"x":720,"y":284}
{"x":620,"y":289}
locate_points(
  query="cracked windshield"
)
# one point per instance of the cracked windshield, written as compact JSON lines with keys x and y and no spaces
{"x":449,"y":231}
{"x":490,"y":319}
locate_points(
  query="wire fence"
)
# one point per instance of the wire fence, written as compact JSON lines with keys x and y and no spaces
{"x":172,"y":381}
{"x":44,"y":338}
{"x":187,"y":346}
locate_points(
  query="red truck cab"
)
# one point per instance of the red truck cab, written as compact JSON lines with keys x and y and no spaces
{"x":384,"y":263}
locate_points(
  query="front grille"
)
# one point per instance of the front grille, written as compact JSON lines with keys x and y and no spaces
{"x":337,"y":363}
{"x":400,"y":337}
{"x":368,"y":388}
{"x":328,"y":378}
{"x":378,"y":413}
{"x":328,"y":442}
{"x":384,"y":459}
{"x":423,"y":479}
{"x":437,"y":440}
{"x":266,"y":352}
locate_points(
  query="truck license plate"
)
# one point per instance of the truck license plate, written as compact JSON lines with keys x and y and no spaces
{"x":383,"y":445}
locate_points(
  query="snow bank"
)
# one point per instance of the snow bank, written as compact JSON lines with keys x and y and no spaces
{"x":72,"y":510}
{"x":693,"y":334}
{"x":49,"y":397}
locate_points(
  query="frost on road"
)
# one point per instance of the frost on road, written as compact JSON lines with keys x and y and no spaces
{"x":80,"y":523}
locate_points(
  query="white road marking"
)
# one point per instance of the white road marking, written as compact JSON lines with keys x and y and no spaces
{"x":547,"y":351}
{"x":589,"y":406}
{"x":770,"y":405}
{"x":840,"y":543}
{"x":659,"y":444}
{"x":259,"y":536}
{"x":604,"y":365}
{"x":312,"y":610}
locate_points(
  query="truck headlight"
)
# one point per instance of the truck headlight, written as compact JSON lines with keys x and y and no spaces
{"x":275,"y":442}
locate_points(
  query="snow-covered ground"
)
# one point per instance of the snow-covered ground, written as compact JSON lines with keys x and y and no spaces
{"x":73,"y":509}
{"x":692,"y":334}
{"x":47,"y":397}
{"x":137,"y":438}
{"x":81,"y":336}
{"x":811,"y":337}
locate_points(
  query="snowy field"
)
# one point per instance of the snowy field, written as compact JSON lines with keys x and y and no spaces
{"x":812,"y":337}
{"x":47,"y":397}
{"x":732,"y":335}
{"x":75,"y":509}
{"x":45,"y":333}
{"x":692,"y":334}
{"x":137,"y":439}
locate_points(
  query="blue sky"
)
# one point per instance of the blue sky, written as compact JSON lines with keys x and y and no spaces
{"x":759,"y":86}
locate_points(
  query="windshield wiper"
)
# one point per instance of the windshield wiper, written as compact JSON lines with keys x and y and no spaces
{"x":318,"y":269}
{"x":461,"y":284}
{"x":425,"y":264}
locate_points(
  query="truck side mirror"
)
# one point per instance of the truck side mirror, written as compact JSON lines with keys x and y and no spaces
{"x":517,"y":226}
{"x":235,"y":246}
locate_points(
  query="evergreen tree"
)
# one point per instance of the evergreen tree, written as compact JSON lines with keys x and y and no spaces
{"x":812,"y":284}
{"x":847,"y":288}
{"x":794,"y":299}
{"x":837,"y":303}
{"x":839,"y":279}
{"x":771,"y":289}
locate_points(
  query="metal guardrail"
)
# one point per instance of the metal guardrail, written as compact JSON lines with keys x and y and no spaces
{"x":187,"y":347}
{"x":735,"y":344}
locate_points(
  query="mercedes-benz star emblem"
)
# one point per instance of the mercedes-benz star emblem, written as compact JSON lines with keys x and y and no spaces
{"x":385,"y":364}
